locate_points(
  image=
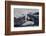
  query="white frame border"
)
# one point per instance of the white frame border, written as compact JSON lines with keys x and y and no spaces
{"x":26,"y":28}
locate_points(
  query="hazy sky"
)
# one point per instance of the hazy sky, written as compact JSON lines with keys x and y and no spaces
{"x":20,"y":12}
